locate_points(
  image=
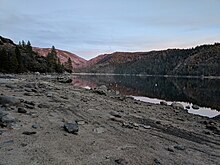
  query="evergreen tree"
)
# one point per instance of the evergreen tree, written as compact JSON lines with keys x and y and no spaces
{"x":29,"y":47}
{"x":68,"y":65}
{"x":23,"y":43}
{"x":52,"y":56}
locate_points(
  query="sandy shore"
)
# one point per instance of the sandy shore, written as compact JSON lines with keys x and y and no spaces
{"x":113,"y":129}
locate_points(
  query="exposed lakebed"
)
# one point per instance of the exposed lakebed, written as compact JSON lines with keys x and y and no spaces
{"x":204,"y":93}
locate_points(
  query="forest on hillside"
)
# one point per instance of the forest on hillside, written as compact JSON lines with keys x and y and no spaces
{"x":21,"y":58}
{"x":199,"y":61}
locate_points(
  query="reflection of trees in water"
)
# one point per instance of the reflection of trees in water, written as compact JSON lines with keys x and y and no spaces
{"x":204,"y":92}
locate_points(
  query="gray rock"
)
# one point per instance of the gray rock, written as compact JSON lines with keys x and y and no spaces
{"x":121,"y":161}
{"x":9,"y":100}
{"x":11,"y":86}
{"x":180,"y":147}
{"x":49,"y":94}
{"x":44,"y":105}
{"x":195,"y":107}
{"x":102,"y":90}
{"x":71,"y":127}
{"x":3,"y":113}
{"x":187,"y":107}
{"x":36,"y":126}
{"x":8,"y":119}
{"x":115,"y":114}
{"x":99,"y":130}
{"x":65,"y":80}
{"x":177,"y":105}
{"x":145,"y":126}
{"x":21,"y":110}
{"x":163,"y":103}
{"x":81,"y":122}
{"x":117,"y":92}
{"x":29,"y":106}
{"x":170,"y":149}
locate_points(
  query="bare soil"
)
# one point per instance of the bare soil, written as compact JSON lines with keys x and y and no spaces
{"x":113,"y":129}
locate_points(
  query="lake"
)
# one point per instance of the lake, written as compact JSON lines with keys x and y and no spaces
{"x":188,"y":91}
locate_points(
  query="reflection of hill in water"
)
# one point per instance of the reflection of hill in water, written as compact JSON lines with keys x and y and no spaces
{"x":204,"y":92}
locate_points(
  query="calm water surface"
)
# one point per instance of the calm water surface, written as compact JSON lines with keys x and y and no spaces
{"x":188,"y":91}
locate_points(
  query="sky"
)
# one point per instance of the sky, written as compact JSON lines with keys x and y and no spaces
{"x":92,"y":27}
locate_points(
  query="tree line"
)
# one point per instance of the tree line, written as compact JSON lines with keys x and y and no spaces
{"x":21,"y":58}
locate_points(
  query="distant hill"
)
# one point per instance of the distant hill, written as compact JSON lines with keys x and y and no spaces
{"x":63,"y":56}
{"x":201,"y":60}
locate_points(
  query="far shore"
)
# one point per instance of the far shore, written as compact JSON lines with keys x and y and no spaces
{"x":149,"y":75}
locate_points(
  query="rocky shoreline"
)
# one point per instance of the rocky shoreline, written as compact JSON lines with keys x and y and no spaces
{"x":46,"y":120}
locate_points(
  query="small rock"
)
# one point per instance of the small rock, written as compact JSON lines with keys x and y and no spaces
{"x":11,"y":86}
{"x":127,"y":125}
{"x":65,"y":80}
{"x":115,"y":114}
{"x":99,"y":130}
{"x":3,"y":113}
{"x":177,"y":105}
{"x":135,"y":124}
{"x":35,"y":126}
{"x":121,"y":161}
{"x":187,"y":107}
{"x":28,"y":94}
{"x":170,"y":149}
{"x":29,"y":106}
{"x":81,"y":122}
{"x":117,"y":92}
{"x":44,"y":105}
{"x":28,"y":90}
{"x":29,"y":132}
{"x":37,"y":73}
{"x":71,"y":127}
{"x":180,"y":147}
{"x":163,"y":103}
{"x":49,"y":94}
{"x":23,"y":144}
{"x":195,"y":107}
{"x":158,"y":122}
{"x":8,"y":119}
{"x":145,"y":126}
{"x":21,"y":110}
{"x":157,"y":162}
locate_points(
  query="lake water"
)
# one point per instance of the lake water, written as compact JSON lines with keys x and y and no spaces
{"x":188,"y":91}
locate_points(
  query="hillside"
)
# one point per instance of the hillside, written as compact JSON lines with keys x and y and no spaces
{"x":21,"y":58}
{"x":63,"y":56}
{"x":201,"y":60}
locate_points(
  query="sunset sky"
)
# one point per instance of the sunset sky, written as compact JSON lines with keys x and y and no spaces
{"x":91,"y":27}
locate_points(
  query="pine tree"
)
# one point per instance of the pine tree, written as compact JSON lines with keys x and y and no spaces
{"x":29,"y":47}
{"x":52,"y":56}
{"x":23,"y":43}
{"x":68,"y":65}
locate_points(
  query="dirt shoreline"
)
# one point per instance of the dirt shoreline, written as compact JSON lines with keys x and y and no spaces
{"x":113,"y":129}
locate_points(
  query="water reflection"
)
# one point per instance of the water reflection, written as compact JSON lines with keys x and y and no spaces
{"x":202,"y":92}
